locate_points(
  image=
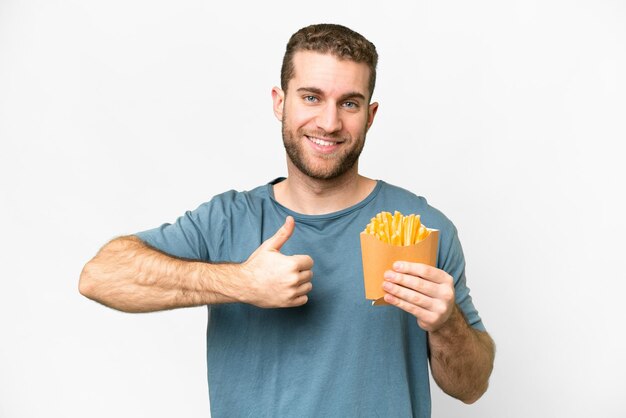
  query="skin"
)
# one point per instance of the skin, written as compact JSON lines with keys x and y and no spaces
{"x":327,"y":99}
{"x":461,"y":357}
{"x":130,"y":276}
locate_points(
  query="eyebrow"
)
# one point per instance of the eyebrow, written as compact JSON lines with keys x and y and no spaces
{"x":315,"y":90}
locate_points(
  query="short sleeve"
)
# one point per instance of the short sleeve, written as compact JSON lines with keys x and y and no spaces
{"x":184,"y":239}
{"x":452,"y":260}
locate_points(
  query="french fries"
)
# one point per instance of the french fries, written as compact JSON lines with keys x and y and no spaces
{"x":397,"y":229}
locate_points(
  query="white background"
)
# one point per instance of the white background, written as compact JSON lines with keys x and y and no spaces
{"x":118,"y":116}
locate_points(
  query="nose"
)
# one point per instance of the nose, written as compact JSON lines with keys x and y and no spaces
{"x":329,"y":119}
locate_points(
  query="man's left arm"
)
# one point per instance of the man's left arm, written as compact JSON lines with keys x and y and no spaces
{"x":461,"y":357}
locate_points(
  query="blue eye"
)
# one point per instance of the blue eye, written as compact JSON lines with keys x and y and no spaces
{"x":310,"y":99}
{"x":351,"y":105}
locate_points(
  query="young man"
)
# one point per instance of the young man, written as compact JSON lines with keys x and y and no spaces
{"x":290,"y":332}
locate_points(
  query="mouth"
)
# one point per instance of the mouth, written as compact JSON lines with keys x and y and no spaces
{"x":321,"y":142}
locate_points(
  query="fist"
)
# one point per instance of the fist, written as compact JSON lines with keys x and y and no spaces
{"x":275,"y":280}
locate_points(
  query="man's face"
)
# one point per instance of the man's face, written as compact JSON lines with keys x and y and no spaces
{"x":325,"y":114}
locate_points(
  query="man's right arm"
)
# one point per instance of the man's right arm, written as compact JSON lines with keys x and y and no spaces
{"x":130,"y":276}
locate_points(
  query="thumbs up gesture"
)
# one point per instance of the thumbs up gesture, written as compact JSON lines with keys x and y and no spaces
{"x":275,"y":280}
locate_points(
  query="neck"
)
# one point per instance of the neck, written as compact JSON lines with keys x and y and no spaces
{"x":310,"y":196}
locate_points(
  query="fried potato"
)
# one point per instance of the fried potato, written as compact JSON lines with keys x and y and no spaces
{"x":397,"y":229}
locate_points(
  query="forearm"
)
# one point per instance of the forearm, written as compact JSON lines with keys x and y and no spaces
{"x":129,"y":276}
{"x":461,"y":358}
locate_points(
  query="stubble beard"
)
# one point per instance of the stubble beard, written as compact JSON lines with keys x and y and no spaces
{"x":342,"y":162}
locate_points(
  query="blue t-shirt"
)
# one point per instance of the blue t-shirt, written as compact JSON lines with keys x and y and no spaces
{"x":337,"y":355}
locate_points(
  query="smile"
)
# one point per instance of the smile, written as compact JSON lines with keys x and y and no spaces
{"x":321,"y":142}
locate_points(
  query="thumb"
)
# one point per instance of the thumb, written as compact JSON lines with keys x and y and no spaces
{"x":281,"y":236}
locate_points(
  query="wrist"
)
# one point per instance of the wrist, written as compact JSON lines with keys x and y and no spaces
{"x":219,"y":282}
{"x":453,"y":329}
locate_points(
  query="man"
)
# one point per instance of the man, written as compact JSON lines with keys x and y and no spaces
{"x":290,"y":332}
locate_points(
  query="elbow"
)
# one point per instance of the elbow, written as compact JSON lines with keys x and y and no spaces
{"x":467,"y":395}
{"x":469,"y":401}
{"x":483,"y":373}
{"x":86,"y":285}
{"x":94,"y":274}
{"x":480,"y":388}
{"x":471,"y":398}
{"x":91,"y":287}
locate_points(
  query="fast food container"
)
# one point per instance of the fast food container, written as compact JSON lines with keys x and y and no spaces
{"x":379,"y":256}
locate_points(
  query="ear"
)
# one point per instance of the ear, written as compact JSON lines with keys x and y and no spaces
{"x":371,"y":112}
{"x":278,"y":97}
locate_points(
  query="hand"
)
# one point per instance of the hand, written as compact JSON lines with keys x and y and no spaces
{"x":275,"y":280}
{"x":421,"y":290}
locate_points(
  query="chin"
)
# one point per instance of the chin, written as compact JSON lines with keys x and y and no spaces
{"x":327,"y":172}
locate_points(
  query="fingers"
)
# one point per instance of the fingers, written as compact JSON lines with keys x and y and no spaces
{"x":408,"y":294}
{"x":424,"y":271}
{"x":304,"y":288}
{"x":279,"y":280}
{"x":304,"y":277}
{"x":303,"y":262}
{"x":281,"y":236}
{"x":427,"y":320}
{"x":418,"y":284}
{"x":299,"y":301}
{"x":424,"y":291}
{"x":418,"y":290}
{"x":415,"y":310}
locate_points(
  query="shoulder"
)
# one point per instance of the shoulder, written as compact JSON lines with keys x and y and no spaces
{"x":450,"y":256}
{"x":408,"y":202}
{"x":235,"y":205}
{"x":235,"y":202}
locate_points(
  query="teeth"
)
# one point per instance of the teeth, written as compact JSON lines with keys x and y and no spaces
{"x":321,"y":141}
